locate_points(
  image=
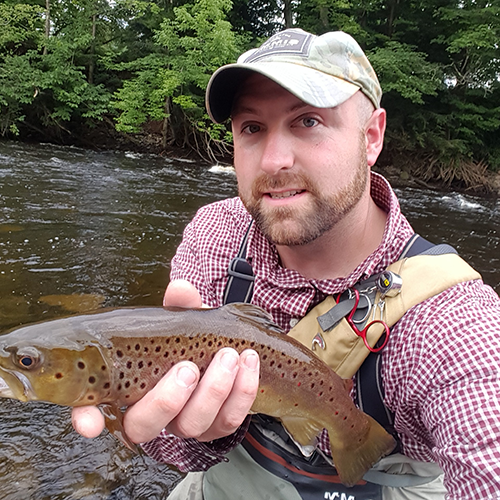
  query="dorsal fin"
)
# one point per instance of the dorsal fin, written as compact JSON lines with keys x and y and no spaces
{"x":252,"y":313}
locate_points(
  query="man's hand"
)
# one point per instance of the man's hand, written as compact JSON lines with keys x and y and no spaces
{"x":186,"y":406}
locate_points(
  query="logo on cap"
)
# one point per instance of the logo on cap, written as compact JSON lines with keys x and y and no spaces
{"x":288,"y":42}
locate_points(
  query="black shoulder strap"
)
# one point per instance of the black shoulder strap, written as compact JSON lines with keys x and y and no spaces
{"x":370,"y":389}
{"x":239,"y":286}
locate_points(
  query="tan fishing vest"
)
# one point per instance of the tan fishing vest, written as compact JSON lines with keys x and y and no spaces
{"x":423,"y":276}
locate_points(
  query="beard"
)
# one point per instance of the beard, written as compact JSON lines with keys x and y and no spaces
{"x":294,"y":226}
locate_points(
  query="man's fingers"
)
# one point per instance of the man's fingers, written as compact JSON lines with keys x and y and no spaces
{"x":212,"y":391}
{"x":241,"y":398}
{"x":147,"y":418}
{"x":87,"y":421}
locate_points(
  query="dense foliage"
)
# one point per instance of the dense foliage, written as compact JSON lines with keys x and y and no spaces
{"x":70,"y":66}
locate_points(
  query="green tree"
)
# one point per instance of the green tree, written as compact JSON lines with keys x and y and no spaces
{"x":170,"y":84}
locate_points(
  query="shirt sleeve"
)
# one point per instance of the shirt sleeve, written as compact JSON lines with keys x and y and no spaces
{"x":444,"y":387}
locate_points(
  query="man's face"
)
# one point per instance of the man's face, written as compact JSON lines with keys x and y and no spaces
{"x":301,"y":170}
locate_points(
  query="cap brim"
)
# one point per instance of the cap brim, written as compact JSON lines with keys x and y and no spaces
{"x":308,"y":84}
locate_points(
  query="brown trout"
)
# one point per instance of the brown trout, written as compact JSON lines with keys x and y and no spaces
{"x":111,"y":358}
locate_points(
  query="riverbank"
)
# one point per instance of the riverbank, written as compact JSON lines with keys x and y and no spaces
{"x":107,"y":138}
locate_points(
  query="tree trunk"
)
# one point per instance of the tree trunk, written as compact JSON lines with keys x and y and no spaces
{"x":47,"y":25}
{"x":92,"y":50}
{"x":288,"y":14}
{"x":166,"y":124}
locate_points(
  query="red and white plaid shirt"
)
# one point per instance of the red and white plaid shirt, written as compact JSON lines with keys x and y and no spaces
{"x":440,"y":368}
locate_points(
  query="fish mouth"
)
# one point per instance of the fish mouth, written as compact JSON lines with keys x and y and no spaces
{"x":5,"y":390}
{"x":15,"y":385}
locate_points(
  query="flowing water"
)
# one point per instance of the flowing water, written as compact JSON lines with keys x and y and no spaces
{"x":80,"y":230}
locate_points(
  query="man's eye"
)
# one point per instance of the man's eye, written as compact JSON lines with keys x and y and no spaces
{"x":309,"y":122}
{"x":251,"y":129}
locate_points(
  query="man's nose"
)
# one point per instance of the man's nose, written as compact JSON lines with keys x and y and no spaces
{"x":277,"y":153}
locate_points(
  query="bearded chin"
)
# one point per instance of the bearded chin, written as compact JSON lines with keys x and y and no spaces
{"x":295,"y":226}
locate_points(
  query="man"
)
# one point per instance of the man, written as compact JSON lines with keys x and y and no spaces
{"x":307,"y":126}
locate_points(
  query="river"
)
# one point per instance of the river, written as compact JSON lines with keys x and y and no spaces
{"x":82,"y":229}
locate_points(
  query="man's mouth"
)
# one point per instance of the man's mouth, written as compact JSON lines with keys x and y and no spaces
{"x":284,"y":194}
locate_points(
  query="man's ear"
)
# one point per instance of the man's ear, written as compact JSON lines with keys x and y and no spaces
{"x":374,"y":134}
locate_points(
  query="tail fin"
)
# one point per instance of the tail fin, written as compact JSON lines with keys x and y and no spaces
{"x":352,"y":462}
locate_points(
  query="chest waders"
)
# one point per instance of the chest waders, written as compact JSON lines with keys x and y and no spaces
{"x":269,"y":464}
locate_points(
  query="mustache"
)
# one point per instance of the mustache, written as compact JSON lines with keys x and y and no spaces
{"x":265,"y":183}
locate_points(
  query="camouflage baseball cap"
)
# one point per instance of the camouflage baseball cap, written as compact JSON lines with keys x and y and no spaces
{"x":323,"y":71}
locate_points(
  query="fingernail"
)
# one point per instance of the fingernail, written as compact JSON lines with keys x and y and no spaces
{"x":229,"y":360}
{"x":186,"y":377}
{"x":251,"y":361}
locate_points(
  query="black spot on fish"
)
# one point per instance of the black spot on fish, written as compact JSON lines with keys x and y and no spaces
{"x":119,"y":387}
{"x":264,"y":357}
{"x":103,"y":368}
{"x":81,"y":365}
{"x":166,"y":354}
{"x":210,"y":343}
{"x":177,"y":340}
{"x":90,"y":397}
{"x":156,"y":371}
{"x":202,"y":354}
{"x":150,"y":363}
{"x":127,"y":384}
{"x":143,"y":385}
{"x":146,"y":349}
{"x":167,"y":341}
{"x":119,"y":353}
{"x":59,"y":375}
{"x":137,"y":347}
{"x":157,"y":348}
{"x":106,"y":385}
{"x":122,"y":375}
{"x":140,"y":364}
{"x":129,"y":364}
{"x":136,"y":380}
{"x":91,"y":380}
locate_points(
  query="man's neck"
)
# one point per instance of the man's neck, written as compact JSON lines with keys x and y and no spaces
{"x":337,"y":253}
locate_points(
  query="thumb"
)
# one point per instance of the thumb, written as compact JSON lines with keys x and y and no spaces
{"x":181,"y":293}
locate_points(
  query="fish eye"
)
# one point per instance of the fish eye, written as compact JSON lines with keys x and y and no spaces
{"x":28,"y":359}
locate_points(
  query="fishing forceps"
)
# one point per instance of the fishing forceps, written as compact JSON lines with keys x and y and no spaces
{"x":354,"y":293}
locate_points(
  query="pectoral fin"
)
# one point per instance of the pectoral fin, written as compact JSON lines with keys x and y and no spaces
{"x":113,"y":418}
{"x":304,"y":432}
